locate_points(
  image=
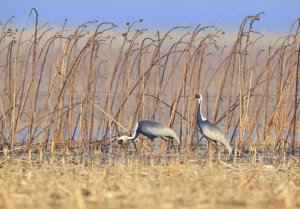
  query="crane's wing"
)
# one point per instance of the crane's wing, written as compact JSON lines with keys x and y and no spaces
{"x":213,"y":132}
{"x":150,"y":128}
{"x":154,"y":129}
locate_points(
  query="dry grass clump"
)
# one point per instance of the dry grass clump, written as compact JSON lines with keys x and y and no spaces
{"x":136,"y":184}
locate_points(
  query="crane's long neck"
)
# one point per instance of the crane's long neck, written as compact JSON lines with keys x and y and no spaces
{"x":199,"y":113}
{"x":134,"y":135}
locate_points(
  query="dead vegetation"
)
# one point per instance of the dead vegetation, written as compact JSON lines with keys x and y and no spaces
{"x":135,"y":184}
{"x":68,"y":93}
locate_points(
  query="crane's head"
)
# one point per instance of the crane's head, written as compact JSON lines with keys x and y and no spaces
{"x":198,"y":96}
{"x":122,"y":139}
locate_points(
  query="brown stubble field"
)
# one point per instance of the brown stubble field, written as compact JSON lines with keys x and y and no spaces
{"x":67,"y":94}
{"x":135,"y":184}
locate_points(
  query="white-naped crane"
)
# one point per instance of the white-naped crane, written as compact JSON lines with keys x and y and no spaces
{"x":208,"y":129}
{"x":152,"y":130}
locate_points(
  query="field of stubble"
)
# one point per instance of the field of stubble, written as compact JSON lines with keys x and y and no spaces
{"x":136,"y":184}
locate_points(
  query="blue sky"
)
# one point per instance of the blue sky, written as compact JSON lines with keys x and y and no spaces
{"x":225,"y":14}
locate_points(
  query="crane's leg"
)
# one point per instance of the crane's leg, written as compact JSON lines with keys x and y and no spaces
{"x":169,"y":140}
{"x":196,"y":145}
{"x":142,"y":148}
{"x":215,"y":144}
{"x":152,"y":150}
{"x":162,"y":147}
{"x":218,"y":150}
{"x":172,"y":142}
{"x":209,"y":151}
{"x":166,"y":140}
{"x":136,"y":149}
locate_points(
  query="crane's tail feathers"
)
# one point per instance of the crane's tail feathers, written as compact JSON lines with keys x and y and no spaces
{"x":177,"y":139}
{"x":226,"y":144}
{"x":174,"y":135}
{"x":229,"y":148}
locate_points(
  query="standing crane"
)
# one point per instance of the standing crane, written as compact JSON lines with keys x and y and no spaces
{"x":208,"y":129}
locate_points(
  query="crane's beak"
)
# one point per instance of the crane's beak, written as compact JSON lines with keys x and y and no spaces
{"x":221,"y":99}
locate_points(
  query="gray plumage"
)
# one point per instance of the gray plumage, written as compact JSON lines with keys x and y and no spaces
{"x":210,"y":130}
{"x":152,"y":130}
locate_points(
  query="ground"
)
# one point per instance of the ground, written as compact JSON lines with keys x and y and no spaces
{"x":136,"y":183}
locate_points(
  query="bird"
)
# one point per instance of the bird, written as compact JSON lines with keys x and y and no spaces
{"x":209,"y":129}
{"x":151,"y":129}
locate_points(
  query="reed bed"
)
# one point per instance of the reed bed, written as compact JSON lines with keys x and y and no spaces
{"x":67,"y":94}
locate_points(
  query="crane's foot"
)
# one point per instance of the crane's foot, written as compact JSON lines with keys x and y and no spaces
{"x":163,"y":160}
{"x":159,"y":157}
{"x":230,"y":158}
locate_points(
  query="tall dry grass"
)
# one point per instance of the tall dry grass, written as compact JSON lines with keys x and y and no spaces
{"x":69,"y":90}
